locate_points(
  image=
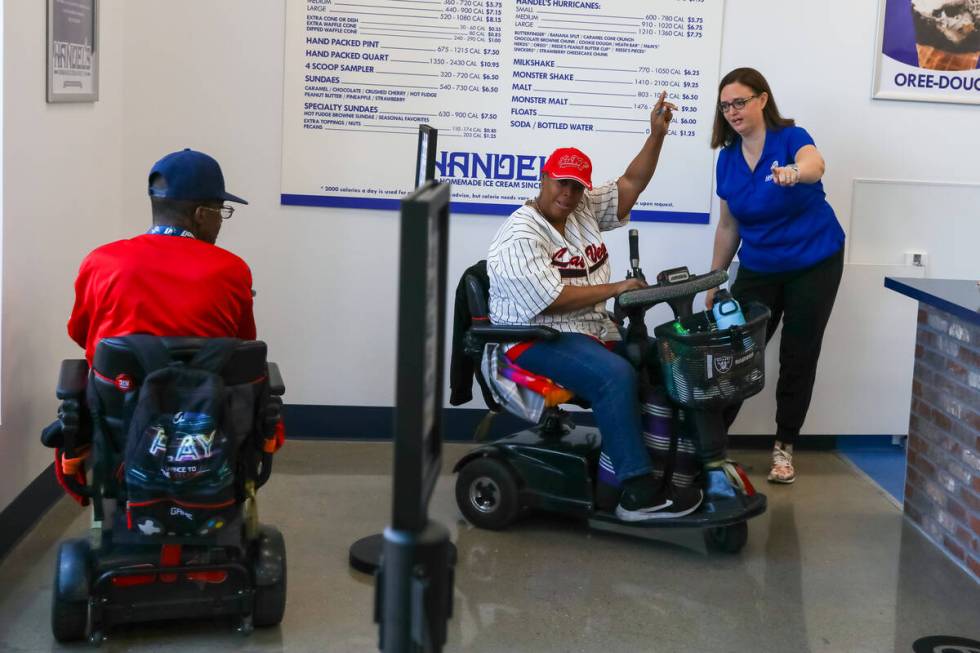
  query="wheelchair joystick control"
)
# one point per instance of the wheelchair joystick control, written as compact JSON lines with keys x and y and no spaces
{"x":635,"y":271}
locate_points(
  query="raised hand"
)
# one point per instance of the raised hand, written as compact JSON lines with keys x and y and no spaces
{"x":661,"y":115}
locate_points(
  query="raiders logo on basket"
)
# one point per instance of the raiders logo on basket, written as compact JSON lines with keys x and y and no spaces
{"x":723,"y":363}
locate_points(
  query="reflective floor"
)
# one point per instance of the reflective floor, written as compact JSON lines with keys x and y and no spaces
{"x":832,"y":566}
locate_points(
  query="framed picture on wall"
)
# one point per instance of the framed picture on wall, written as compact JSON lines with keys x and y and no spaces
{"x":928,"y":51}
{"x":73,"y":56}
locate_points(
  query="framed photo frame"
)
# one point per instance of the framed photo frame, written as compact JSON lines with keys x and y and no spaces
{"x":73,"y":53}
{"x":928,"y":51}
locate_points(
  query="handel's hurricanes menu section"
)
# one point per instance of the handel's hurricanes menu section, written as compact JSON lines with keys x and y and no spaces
{"x":505,"y":82}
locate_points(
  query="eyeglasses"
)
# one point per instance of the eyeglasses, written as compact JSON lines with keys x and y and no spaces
{"x":738,"y":103}
{"x":225,"y":211}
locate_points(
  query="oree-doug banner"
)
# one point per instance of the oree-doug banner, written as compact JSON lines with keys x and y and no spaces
{"x":929,"y":51}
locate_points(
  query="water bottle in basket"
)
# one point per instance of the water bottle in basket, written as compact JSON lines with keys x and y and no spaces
{"x":728,"y":313}
{"x":726,"y":310}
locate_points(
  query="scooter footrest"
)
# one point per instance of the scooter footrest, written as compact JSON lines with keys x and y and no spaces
{"x":711,"y":514}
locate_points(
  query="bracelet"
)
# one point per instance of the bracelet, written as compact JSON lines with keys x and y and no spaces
{"x":795,"y":168}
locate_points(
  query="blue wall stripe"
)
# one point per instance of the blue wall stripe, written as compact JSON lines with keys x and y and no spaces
{"x":339,"y":202}
{"x":316,"y":422}
{"x":376,"y":422}
{"x":477,"y":208}
{"x":670,"y":216}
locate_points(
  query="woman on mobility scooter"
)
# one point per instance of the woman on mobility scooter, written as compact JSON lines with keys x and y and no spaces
{"x":548,"y":266}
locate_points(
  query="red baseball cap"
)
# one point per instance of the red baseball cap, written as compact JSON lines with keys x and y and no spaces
{"x":569,"y":163}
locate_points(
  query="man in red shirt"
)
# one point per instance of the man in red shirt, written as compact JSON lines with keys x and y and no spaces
{"x":172,"y":280}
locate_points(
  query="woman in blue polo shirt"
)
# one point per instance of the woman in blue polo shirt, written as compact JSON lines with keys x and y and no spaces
{"x":790,"y":246}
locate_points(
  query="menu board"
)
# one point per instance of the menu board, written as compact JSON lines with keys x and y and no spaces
{"x":505,"y":83}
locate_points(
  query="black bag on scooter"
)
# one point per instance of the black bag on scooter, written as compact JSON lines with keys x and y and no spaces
{"x":672,"y":451}
{"x":181,"y":448}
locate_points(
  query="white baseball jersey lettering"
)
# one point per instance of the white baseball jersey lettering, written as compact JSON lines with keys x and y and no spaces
{"x":530,"y":261}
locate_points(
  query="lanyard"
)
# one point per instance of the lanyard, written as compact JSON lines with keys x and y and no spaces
{"x":168,"y":230}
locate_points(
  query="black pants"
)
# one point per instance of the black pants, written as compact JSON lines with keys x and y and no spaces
{"x":803,"y":299}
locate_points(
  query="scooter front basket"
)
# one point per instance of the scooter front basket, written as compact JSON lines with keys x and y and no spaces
{"x":707,"y":368}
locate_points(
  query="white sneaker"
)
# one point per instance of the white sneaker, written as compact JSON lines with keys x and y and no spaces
{"x":782,"y":465}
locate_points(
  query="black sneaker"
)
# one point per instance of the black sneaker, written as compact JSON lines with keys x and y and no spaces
{"x":606,"y":496}
{"x":647,"y":502}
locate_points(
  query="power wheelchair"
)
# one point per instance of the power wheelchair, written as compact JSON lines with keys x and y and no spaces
{"x":555,"y":466}
{"x":229,"y":565}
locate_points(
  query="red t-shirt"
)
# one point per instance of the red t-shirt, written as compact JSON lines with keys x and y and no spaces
{"x":164,"y":286}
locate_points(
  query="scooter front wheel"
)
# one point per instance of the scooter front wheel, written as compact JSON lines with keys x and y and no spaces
{"x":70,"y":594}
{"x":727,"y":539}
{"x":487,"y":493}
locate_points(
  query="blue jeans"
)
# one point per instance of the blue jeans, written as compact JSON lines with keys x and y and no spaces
{"x":605,"y":379}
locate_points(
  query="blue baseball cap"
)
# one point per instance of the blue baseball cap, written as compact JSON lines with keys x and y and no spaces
{"x":190,"y":175}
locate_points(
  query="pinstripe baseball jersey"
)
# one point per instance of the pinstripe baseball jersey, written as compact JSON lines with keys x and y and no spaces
{"x":530,"y":261}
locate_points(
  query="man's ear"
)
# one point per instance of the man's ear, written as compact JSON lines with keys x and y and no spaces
{"x":197,"y":218}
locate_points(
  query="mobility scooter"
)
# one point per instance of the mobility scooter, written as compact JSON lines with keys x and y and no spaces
{"x":175,"y":526}
{"x":555,"y":466}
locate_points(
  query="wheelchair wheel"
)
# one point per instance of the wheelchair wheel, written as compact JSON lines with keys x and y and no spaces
{"x":69,"y":604}
{"x":487,"y":493}
{"x":270,"y":598}
{"x":727,"y":539}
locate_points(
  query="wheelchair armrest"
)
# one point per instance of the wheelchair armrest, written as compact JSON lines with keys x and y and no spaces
{"x":276,"y":386}
{"x":72,"y":379}
{"x":504,"y":333}
{"x":73,"y":428}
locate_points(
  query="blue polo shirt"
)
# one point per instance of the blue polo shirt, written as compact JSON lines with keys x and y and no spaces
{"x":782,"y":229}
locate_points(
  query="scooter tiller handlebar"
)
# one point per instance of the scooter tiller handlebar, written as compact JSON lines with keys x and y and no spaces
{"x":644,"y":298}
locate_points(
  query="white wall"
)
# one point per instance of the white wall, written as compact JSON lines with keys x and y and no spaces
{"x":892,"y":218}
{"x":209,"y":75}
{"x":62,"y":172}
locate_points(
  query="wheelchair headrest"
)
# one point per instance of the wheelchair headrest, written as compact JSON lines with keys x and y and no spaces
{"x":477,"y":296}
{"x":113,"y":356}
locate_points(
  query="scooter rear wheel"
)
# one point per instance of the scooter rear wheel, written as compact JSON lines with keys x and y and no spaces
{"x":727,"y":539}
{"x":270,"y":599}
{"x":487,"y":493}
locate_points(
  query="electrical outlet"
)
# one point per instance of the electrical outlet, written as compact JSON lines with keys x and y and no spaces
{"x":916,"y":258}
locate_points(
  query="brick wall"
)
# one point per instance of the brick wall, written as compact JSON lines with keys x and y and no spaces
{"x":942,"y":484}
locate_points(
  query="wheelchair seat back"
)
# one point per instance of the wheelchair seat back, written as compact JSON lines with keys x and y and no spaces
{"x":116,"y":370}
{"x":146,"y":396}
{"x":477,"y":297}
